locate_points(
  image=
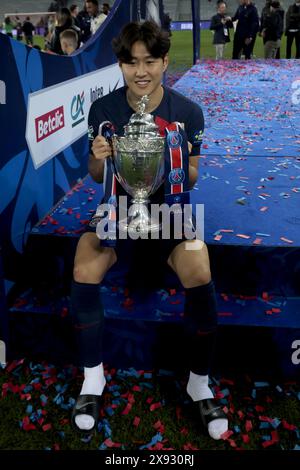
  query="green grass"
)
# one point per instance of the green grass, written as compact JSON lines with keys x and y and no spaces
{"x":175,"y":415}
{"x":181,"y":53}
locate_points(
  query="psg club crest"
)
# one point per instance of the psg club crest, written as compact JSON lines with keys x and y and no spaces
{"x":176,"y":176}
{"x":174,"y":139}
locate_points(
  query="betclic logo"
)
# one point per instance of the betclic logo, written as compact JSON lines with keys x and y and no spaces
{"x":49,"y":123}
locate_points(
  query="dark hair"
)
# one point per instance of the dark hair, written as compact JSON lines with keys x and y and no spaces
{"x":73,"y":7}
{"x":275,"y":4}
{"x":94,"y":2}
{"x":156,"y":40}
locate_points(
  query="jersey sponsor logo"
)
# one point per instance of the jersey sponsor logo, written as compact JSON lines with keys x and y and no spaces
{"x":49,"y":123}
{"x":77,"y":111}
{"x":174,"y":139}
{"x":91,"y":133}
{"x":198,"y":136}
{"x":176,"y":176}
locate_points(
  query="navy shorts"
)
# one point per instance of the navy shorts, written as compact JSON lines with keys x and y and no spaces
{"x":144,"y":261}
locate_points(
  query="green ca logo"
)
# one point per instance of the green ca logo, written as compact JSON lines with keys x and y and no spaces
{"x":77,"y":111}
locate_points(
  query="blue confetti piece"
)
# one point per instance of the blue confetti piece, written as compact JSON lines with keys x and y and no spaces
{"x":29,"y":409}
{"x":148,"y":375}
{"x":253,"y":393}
{"x":102,"y":446}
{"x":237,"y":429}
{"x":297,"y":447}
{"x":275,"y":423}
{"x":109,"y":411}
{"x":155,"y":439}
{"x":266,"y":438}
{"x":279,"y":389}
{"x":225,"y":392}
{"x":261,"y":384}
{"x":43,"y":398}
{"x":264,"y":425}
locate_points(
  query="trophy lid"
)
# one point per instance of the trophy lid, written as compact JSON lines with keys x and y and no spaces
{"x":141,"y":123}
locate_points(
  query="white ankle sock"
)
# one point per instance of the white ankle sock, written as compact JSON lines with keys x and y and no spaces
{"x":93,"y":384}
{"x":198,"y":389}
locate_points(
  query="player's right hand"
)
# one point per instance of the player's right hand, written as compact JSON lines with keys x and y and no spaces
{"x":101,"y":148}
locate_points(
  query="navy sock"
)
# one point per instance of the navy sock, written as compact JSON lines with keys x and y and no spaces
{"x":200,"y":327}
{"x":88,"y":321}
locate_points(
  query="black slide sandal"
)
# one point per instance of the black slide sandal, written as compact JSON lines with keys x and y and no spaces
{"x":87,"y":405}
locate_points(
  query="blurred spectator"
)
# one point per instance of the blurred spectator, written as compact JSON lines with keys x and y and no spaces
{"x":8,"y":26}
{"x":150,"y":10}
{"x":68,"y":41}
{"x":246,"y":30}
{"x":220,"y":24}
{"x":28,"y":30}
{"x":97,"y":18}
{"x":105,"y":8}
{"x":85,"y":24}
{"x":272,"y":29}
{"x":74,"y":10}
{"x":19,"y":29}
{"x":292,"y":29}
{"x":64,"y":21}
{"x":264,"y":13}
{"x":166,"y":23}
{"x":54,"y":6}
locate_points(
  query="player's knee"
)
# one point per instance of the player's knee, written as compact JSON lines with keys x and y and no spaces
{"x":197,"y":277}
{"x":83,"y":274}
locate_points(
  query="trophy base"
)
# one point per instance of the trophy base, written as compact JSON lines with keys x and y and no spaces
{"x":139,"y":222}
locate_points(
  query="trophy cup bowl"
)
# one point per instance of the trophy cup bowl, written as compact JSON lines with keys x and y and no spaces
{"x":138,"y":161}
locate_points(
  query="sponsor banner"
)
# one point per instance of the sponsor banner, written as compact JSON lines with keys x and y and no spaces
{"x":57,"y":116}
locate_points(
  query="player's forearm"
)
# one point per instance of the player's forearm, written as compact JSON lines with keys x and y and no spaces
{"x":96,"y":168}
{"x":193,"y":176}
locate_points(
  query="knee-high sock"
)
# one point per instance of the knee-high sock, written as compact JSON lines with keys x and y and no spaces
{"x":200,"y":326}
{"x":88,"y":320}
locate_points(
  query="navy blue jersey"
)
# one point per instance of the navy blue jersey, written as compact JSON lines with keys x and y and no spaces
{"x":173,"y":107}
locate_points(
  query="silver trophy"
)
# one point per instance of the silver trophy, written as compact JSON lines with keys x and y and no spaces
{"x":138,"y":161}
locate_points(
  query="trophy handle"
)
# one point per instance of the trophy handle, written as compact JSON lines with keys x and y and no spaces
{"x":106,"y":129}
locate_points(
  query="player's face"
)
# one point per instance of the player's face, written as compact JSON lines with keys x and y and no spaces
{"x":144,"y":73}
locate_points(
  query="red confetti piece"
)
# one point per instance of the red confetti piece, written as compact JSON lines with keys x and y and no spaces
{"x":248,"y":425}
{"x":241,"y":235}
{"x":109,"y":443}
{"x":189,"y":446}
{"x":266,"y":419}
{"x":218,"y":238}
{"x":263,"y":209}
{"x":257,"y":241}
{"x":154,"y":406}
{"x":184,"y":431}
{"x":136,"y":421}
{"x":226,"y":435}
{"x":245,"y":438}
{"x":289,"y":427}
{"x":46,"y":427}
{"x":127,"y":409}
{"x":136,"y":388}
{"x":259,"y":408}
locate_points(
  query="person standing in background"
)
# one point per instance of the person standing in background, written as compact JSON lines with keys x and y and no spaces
{"x":272,"y":29}
{"x":97,"y":18}
{"x":292,"y":29}
{"x":220,"y":24}
{"x":246,"y":30}
{"x":28,"y":30}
